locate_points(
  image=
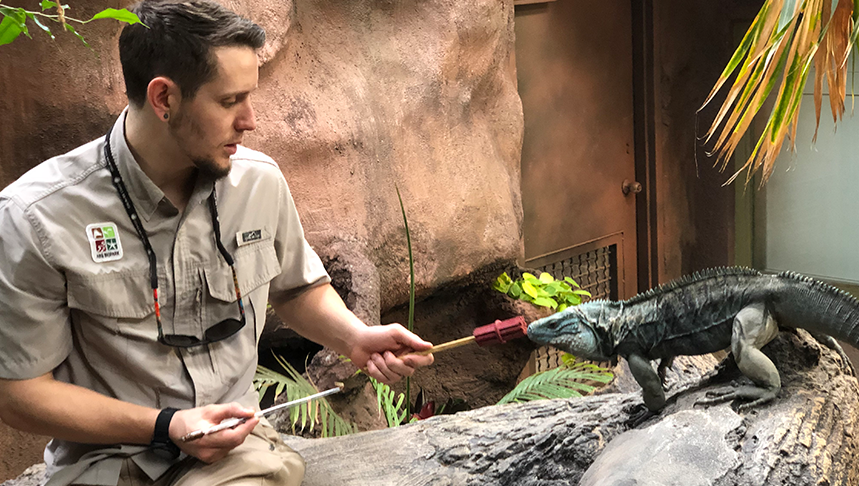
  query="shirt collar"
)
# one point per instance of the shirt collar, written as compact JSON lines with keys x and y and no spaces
{"x":145,"y":195}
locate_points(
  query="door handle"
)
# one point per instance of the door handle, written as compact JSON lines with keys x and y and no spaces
{"x":630,"y":186}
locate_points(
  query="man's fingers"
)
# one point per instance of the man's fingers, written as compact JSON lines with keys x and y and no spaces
{"x":217,"y":413}
{"x":377,"y":369}
{"x":398,"y":365}
{"x":417,"y":360}
{"x":410,"y":339}
{"x":217,"y":445}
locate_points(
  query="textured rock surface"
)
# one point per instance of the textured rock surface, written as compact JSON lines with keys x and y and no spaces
{"x":18,"y":450}
{"x":33,"y":476}
{"x":684,"y":448}
{"x":364,"y":97}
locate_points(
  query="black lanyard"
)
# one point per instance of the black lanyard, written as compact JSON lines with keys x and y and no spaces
{"x":125,"y":197}
{"x":219,"y":331}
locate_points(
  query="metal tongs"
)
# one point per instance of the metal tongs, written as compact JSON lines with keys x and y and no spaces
{"x":235,"y":422}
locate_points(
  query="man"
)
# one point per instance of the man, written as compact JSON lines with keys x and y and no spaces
{"x":136,"y":271}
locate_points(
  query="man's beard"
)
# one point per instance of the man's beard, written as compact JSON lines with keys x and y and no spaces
{"x":208,"y":168}
{"x":180,"y":126}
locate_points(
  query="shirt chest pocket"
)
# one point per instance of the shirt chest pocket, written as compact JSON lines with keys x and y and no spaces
{"x":256,"y":265}
{"x":234,"y":359}
{"x":113,"y":317}
{"x":120,"y":295}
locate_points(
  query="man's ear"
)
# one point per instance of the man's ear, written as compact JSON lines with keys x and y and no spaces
{"x":163,"y":95}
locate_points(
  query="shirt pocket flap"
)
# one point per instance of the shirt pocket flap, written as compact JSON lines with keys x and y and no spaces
{"x":112,"y":295}
{"x":255,"y":267}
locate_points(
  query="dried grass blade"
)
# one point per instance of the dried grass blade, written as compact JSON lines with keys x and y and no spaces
{"x":821,"y":61}
{"x":756,"y":43}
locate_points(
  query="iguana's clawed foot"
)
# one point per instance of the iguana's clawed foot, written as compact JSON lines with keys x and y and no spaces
{"x":846,"y":363}
{"x":759,"y":396}
{"x":640,"y":416}
{"x":845,"y":360}
{"x":662,"y":370}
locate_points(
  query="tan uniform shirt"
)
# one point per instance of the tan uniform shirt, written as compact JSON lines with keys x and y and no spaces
{"x":75,"y":295}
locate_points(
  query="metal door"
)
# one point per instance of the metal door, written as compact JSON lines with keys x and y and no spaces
{"x":574,"y":65}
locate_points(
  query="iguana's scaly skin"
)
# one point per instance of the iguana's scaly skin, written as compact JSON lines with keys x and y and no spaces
{"x":711,"y":310}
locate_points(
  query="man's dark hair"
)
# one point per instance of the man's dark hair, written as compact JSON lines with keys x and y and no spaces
{"x":178,"y":44}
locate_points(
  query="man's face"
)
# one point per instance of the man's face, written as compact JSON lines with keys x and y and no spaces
{"x":209,"y":126}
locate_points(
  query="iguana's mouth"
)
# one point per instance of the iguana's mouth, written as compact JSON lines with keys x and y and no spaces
{"x":567,"y":332}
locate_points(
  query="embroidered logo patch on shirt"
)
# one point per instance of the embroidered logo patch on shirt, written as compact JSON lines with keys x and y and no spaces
{"x":104,"y":242}
{"x":251,"y":236}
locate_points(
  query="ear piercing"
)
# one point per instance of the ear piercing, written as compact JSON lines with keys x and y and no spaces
{"x":166,"y":116}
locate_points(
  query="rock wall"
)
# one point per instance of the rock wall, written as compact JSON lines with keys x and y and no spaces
{"x":367,"y":97}
{"x":18,"y":450}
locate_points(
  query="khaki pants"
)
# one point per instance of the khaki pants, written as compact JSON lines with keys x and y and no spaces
{"x":262,"y":460}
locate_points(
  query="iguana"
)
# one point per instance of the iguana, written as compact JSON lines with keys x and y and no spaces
{"x":706,"y":312}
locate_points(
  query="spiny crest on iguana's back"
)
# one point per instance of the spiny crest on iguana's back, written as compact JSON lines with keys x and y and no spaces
{"x":822,"y":287}
{"x":693,"y":279}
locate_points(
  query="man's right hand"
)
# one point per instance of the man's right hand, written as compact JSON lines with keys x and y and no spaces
{"x":212,"y":447}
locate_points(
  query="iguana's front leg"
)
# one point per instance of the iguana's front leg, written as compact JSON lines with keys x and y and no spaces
{"x":753,"y":328}
{"x":648,"y":379}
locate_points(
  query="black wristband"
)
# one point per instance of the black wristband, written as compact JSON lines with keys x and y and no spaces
{"x":161,"y":438}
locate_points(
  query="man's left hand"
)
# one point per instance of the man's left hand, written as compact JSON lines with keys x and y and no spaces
{"x":387,"y":352}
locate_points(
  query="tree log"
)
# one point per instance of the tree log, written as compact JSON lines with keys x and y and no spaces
{"x":805,"y":436}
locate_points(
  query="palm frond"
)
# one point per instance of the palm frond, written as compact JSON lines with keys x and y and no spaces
{"x":779,"y":48}
{"x":306,"y":416}
{"x":572,"y":379}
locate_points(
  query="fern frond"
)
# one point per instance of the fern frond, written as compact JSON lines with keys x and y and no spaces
{"x":566,"y":381}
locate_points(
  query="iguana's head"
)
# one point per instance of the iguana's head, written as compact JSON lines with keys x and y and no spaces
{"x":576,"y":330}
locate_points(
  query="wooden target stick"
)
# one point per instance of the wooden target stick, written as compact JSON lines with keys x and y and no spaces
{"x":498,"y":332}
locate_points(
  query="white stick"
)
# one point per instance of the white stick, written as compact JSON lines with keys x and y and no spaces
{"x":235,"y":422}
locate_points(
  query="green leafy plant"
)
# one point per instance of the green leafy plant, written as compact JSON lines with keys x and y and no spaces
{"x":542,"y":291}
{"x":14,"y":20}
{"x":573,"y":378}
{"x":392,"y":404}
{"x":305,"y":416}
{"x":566,"y":381}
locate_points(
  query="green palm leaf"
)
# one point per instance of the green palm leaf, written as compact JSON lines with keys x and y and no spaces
{"x":572,"y":379}
{"x":306,"y":416}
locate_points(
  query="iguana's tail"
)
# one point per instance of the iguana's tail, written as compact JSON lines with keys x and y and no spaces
{"x":810,"y":304}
